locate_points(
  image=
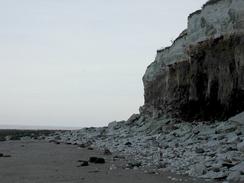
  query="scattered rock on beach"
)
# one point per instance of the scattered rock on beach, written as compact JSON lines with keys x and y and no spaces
{"x":100,"y":161}
{"x":84,"y":163}
{"x":96,"y":160}
{"x":82,"y":145}
{"x":55,"y":142}
{"x":117,"y":157}
{"x":107,"y":152}
{"x":85,"y":145}
{"x":94,"y":171}
{"x":132,"y":165}
{"x":93,"y":159}
{"x":5,"y":155}
{"x":2,"y":139}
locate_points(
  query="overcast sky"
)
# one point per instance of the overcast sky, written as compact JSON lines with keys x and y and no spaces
{"x":81,"y":62}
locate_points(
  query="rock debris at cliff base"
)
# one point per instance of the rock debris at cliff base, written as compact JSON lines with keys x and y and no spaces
{"x":210,"y":150}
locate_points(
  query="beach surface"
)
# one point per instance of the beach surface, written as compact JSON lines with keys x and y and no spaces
{"x":45,"y":162}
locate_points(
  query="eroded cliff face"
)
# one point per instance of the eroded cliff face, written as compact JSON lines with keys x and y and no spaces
{"x":201,"y":76}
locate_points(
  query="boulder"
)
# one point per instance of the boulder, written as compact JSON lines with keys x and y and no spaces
{"x":239,"y":167}
{"x":84,"y":163}
{"x":197,"y":170}
{"x":215,"y":175}
{"x":93,"y":159}
{"x":133,"y":118}
{"x":239,"y":118}
{"x":107,"y":152}
{"x":133,"y":164}
{"x":97,"y":160}
{"x":225,"y":128}
{"x":234,"y":177}
{"x":240,"y":147}
{"x":100,"y":161}
{"x":199,"y":150}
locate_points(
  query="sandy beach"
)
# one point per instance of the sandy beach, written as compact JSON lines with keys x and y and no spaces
{"x":45,"y":162}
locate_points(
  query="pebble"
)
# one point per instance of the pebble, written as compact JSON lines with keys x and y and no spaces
{"x":107,"y":152}
{"x":199,"y":150}
{"x":197,"y":170}
{"x":240,"y":147}
{"x":84,"y":163}
{"x":234,"y":177}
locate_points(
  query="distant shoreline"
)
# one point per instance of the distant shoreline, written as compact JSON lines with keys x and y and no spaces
{"x":36,"y":127}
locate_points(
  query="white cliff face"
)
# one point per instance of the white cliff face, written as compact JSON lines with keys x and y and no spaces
{"x":176,"y":53}
{"x":223,"y":17}
{"x":214,"y":20}
{"x":176,"y":80}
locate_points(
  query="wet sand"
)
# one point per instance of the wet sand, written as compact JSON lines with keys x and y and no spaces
{"x":43,"y":162}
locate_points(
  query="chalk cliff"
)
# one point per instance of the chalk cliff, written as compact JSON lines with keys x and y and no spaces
{"x":201,"y":75}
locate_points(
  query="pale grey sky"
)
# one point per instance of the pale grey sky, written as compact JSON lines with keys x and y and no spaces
{"x":80,"y":62}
